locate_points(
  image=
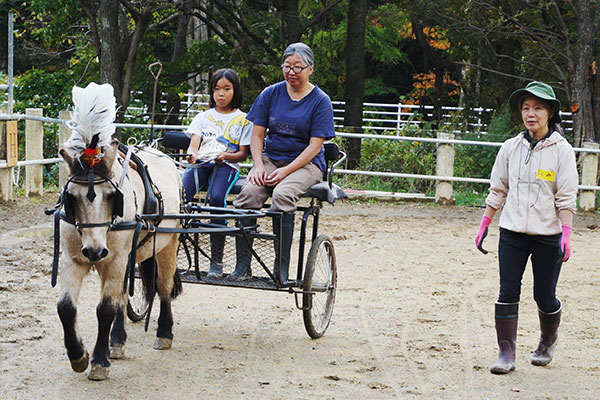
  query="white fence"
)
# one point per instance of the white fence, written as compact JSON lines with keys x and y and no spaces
{"x":376,"y":116}
{"x":445,"y":150}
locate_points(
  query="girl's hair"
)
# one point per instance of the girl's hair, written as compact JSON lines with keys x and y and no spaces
{"x":305,"y":53}
{"x":232,"y":77}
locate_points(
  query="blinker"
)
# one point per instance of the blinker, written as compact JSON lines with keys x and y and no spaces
{"x":68,"y":204}
{"x":118,"y":203}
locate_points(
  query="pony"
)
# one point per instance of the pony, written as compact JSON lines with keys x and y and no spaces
{"x":100,"y":206}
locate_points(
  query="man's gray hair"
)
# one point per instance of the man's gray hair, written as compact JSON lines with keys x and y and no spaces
{"x":305,"y":53}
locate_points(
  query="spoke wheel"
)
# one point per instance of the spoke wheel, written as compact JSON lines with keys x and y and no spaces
{"x":320,"y":280}
{"x":137,"y":307}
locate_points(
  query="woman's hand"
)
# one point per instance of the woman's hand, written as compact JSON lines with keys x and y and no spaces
{"x":276,"y":176}
{"x":257,"y":175}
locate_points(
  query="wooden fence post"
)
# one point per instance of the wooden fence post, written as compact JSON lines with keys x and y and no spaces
{"x":6,"y":186}
{"x":589,"y":174}
{"x":63,"y":135}
{"x":34,"y":140}
{"x":444,"y":167}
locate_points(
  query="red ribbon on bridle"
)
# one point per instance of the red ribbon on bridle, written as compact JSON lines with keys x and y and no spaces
{"x":92,"y":156}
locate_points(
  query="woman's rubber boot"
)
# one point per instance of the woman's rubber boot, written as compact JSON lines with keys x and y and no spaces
{"x":282,"y":252}
{"x":507,"y":316}
{"x":243,"y":254}
{"x":217,"y":243}
{"x":549,"y":327}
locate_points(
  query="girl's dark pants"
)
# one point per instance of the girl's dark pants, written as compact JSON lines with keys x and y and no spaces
{"x":223,"y":180}
{"x":514,"y":250}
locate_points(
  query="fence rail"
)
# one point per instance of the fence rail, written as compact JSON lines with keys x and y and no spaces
{"x":445,"y":150}
{"x":376,"y":116}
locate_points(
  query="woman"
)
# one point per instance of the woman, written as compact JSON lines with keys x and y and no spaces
{"x":535,"y":178}
{"x":296,"y":117}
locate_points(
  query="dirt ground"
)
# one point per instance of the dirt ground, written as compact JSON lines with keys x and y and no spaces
{"x":413,"y":319}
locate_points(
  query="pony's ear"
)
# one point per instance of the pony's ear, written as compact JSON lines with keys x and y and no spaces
{"x":110,"y":153}
{"x":68,"y":159}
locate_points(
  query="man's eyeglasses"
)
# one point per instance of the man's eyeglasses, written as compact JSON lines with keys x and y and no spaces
{"x":286,"y":69}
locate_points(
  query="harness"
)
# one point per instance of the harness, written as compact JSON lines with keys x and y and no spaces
{"x":64,"y":210}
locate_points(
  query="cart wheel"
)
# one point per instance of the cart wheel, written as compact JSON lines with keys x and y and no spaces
{"x":320,"y":278}
{"x":137,"y":307}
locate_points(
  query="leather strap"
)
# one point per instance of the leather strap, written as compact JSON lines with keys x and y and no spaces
{"x":56,"y":247}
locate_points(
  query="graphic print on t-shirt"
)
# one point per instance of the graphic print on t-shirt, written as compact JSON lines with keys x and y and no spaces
{"x":233,"y":133}
{"x":282,"y":128}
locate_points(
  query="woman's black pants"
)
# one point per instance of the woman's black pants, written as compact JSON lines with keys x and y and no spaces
{"x":514,"y":250}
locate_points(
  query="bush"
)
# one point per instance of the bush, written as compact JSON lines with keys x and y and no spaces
{"x":395,"y":156}
{"x":420,"y":158}
{"x":477,"y":161}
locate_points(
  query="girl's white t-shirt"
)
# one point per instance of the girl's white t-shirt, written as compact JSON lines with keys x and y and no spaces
{"x":220,"y":133}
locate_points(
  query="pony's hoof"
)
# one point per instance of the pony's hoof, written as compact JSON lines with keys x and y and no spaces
{"x":81,"y":364}
{"x":98,"y":373}
{"x":163,"y":343}
{"x":117,"y":351}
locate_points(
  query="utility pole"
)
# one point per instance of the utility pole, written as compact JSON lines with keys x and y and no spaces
{"x":10,"y":62}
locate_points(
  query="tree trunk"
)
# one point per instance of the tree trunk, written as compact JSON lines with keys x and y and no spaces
{"x":581,"y":90}
{"x":173,"y":99}
{"x":109,"y":52}
{"x":438,"y":97}
{"x":111,"y":60}
{"x":596,"y":99}
{"x":130,"y":47}
{"x":292,"y":21}
{"x":355,"y":77}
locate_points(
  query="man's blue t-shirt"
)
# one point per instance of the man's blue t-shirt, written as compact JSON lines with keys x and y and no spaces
{"x":290,"y":124}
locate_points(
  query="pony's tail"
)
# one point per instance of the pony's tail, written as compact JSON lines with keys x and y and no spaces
{"x":177,"y":285}
{"x":147,"y":268}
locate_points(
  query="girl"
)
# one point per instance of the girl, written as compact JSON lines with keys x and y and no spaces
{"x":220,"y":138}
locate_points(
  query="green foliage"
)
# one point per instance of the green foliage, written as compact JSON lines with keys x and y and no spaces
{"x":477,"y":161}
{"x":384,"y":34}
{"x":396,"y":156}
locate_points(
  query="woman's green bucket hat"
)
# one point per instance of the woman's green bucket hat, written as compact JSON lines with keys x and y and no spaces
{"x":540,"y":90}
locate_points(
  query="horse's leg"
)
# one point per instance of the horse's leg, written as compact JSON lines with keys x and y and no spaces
{"x":111,"y":275}
{"x":167,"y":288}
{"x":118,"y":336}
{"x":70,"y":281}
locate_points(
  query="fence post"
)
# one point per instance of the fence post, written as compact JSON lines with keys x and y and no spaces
{"x":444,"y":167}
{"x":399,"y":121}
{"x":589,"y":171}
{"x":63,"y":135}
{"x":6,"y":174}
{"x":34,"y":139}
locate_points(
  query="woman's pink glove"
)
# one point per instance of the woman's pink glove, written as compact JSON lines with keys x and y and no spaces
{"x":482,"y":233}
{"x":565,"y":242}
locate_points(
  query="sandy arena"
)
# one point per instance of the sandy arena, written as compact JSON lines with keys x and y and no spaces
{"x":413,"y":319}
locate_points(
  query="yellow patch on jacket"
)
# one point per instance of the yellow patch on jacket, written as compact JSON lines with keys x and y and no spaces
{"x":546,"y":175}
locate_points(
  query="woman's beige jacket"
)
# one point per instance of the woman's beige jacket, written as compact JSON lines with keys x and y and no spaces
{"x":534,"y":192}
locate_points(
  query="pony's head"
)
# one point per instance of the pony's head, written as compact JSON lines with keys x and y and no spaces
{"x":91,"y":199}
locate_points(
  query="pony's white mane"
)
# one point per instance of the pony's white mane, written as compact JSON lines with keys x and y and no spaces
{"x":94,"y":113}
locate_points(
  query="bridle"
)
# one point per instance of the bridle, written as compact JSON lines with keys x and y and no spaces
{"x":67,"y":201}
{"x":64,"y":210}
